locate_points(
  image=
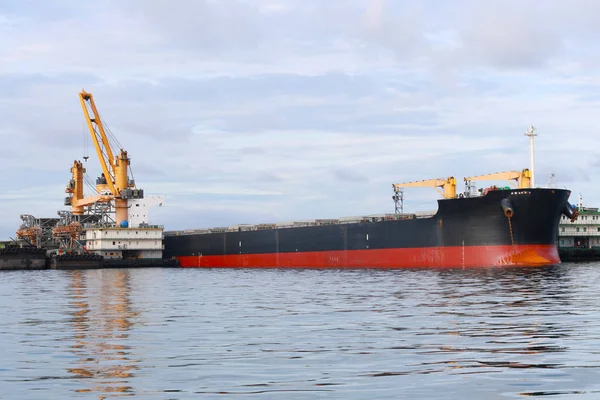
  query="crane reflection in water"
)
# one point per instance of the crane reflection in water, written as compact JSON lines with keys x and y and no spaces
{"x":101,"y":319}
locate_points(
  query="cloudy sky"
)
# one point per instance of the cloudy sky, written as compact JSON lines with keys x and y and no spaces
{"x":274,"y":110}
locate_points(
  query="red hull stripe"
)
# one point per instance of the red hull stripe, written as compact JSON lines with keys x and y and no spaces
{"x":468,"y":256}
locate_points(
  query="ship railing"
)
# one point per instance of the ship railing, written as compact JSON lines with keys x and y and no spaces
{"x":185,"y":232}
{"x":242,"y":227}
{"x":425,"y":214}
{"x":307,"y":223}
{"x":219,"y":229}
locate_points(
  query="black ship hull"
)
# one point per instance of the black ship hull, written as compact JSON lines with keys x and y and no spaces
{"x":502,"y":227}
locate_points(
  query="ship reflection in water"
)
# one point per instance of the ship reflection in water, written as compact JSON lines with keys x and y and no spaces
{"x":102,"y":313}
{"x":498,"y":313}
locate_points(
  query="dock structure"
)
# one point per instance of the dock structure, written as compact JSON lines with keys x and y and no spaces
{"x":22,"y":258}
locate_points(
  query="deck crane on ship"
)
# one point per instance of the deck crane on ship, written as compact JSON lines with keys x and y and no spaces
{"x":447,"y":185}
{"x":519,"y":179}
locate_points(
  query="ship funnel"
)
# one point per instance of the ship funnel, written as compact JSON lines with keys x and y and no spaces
{"x":570,"y":212}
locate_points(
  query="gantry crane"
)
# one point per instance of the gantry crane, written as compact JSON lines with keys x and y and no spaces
{"x":448,"y":186}
{"x":114,"y":183}
{"x":522,"y":178}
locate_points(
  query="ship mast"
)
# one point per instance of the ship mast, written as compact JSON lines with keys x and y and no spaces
{"x":398,"y":198}
{"x":531,"y":133}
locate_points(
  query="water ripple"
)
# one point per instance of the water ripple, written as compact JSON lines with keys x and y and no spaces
{"x":151,"y":333}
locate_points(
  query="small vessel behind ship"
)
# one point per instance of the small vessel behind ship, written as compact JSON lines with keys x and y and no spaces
{"x":477,"y":228}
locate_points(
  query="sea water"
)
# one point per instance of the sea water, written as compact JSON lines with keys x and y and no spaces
{"x":489,"y":333}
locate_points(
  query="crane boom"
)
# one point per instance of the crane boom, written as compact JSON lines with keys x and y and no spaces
{"x":114,"y":169}
{"x":91,"y":200}
{"x":448,"y":186}
{"x":76,"y":200}
{"x":103,"y":149}
{"x":523,"y":178}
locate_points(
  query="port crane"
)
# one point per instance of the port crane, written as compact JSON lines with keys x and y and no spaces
{"x":76,"y":198}
{"x":447,"y":185}
{"x":114,"y":183}
{"x":106,"y":209}
{"x":94,"y":221}
{"x":522,"y":179}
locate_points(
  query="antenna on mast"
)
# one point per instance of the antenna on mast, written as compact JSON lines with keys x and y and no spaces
{"x":550,"y":180}
{"x":531,"y":133}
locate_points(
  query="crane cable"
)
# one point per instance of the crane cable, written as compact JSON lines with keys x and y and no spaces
{"x":112,"y":141}
{"x":90,"y":183}
{"x":85,"y":143}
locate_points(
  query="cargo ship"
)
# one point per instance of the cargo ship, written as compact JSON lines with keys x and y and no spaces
{"x":495,"y":226}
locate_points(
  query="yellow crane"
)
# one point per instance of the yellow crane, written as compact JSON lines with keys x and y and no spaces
{"x":114,"y":183}
{"x":522,"y":178}
{"x":448,"y":186}
{"x":77,"y":200}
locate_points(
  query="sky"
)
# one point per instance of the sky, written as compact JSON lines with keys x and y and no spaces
{"x":263,"y":111}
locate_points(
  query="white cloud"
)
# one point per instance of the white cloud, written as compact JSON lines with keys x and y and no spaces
{"x":254,"y":111}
